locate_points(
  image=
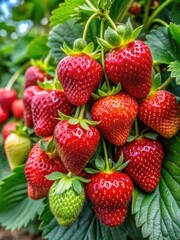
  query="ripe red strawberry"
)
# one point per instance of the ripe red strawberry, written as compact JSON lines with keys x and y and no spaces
{"x":3,"y":115}
{"x":79,"y":76}
{"x":75,"y":145}
{"x":45,"y":106}
{"x":34,"y":74}
{"x":132,"y":67}
{"x":111,"y":217}
{"x":116,"y":114}
{"x":135,"y":8}
{"x":160,"y":112}
{"x":29,"y":93}
{"x":17,"y":108}
{"x":145,"y":156}
{"x":109,"y":190}
{"x":6,"y":98}
{"x":9,"y":126}
{"x":39,"y":164}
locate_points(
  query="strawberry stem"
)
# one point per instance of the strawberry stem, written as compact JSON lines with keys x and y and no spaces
{"x":146,"y":12}
{"x":81,"y":115}
{"x":121,"y":17}
{"x":87,"y":24}
{"x":46,"y":60}
{"x":77,"y":112}
{"x":166,"y":83}
{"x":15,"y":76}
{"x":105,"y":155}
{"x":91,"y":6}
{"x":158,"y":20}
{"x":136,"y":128}
{"x":106,"y":15}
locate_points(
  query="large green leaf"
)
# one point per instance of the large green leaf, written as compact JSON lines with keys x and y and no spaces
{"x":162,"y":45}
{"x":16,"y":209}
{"x":158,"y":212}
{"x":86,"y":227}
{"x":37,"y":48}
{"x":174,"y":67}
{"x":68,"y":32}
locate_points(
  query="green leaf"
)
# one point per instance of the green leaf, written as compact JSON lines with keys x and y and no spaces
{"x":54,"y":176}
{"x":162,"y":45}
{"x":16,"y":209}
{"x":175,"y":32}
{"x":37,"y":48}
{"x":158,"y":212}
{"x":174,"y":67}
{"x":86,"y":227}
{"x":100,"y":163}
{"x":77,"y":186}
{"x":43,"y":145}
{"x":118,"y":8}
{"x":64,"y":11}
{"x":151,"y":135}
{"x":174,"y":15}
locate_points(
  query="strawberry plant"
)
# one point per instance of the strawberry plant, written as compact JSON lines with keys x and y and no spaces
{"x":95,"y":152}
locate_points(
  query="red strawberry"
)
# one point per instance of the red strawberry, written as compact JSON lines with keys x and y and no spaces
{"x":145,"y":156}
{"x":45,"y":106}
{"x":75,"y":145}
{"x":9,"y":126}
{"x":39,"y":164}
{"x":3,"y":115}
{"x":109,"y":190}
{"x":135,"y":8}
{"x":79,"y":75}
{"x":160,"y":112}
{"x":116,"y":114}
{"x":17,"y":108}
{"x":132,"y":67}
{"x":29,"y":93}
{"x":34,"y":74}
{"x":6,"y":98}
{"x":111,"y":217}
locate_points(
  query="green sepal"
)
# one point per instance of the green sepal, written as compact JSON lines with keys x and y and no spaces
{"x":84,"y":125}
{"x":89,"y":48}
{"x":91,"y":170}
{"x":100,"y":163}
{"x":151,"y":135}
{"x":128,"y":32}
{"x":67,"y":50}
{"x":39,"y":63}
{"x":156,"y":83}
{"x":104,"y":44}
{"x":55,"y":176}
{"x":120,"y":165}
{"x":47,"y":146}
{"x":46,"y":84}
{"x":136,"y":32}
{"x":22,"y":130}
{"x":79,"y":44}
{"x":105,"y":93}
{"x":63,"y":116}
{"x":130,"y":138}
{"x":77,"y":186}
{"x":112,"y":37}
{"x":81,"y":179}
{"x":64,"y":184}
{"x":73,"y":121}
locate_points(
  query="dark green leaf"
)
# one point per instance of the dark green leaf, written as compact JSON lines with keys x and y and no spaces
{"x":151,"y":135}
{"x":100,"y":163}
{"x":174,"y":67}
{"x":37,"y":48}
{"x":158,"y":212}
{"x":16,"y":209}
{"x":175,"y":32}
{"x":43,"y":145}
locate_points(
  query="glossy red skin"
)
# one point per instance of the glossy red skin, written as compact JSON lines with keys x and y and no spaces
{"x":116,"y":114}
{"x":29,"y":93}
{"x":111,"y":217}
{"x":135,"y":8}
{"x":75,"y":145}
{"x":79,"y":76}
{"x":145,"y":156}
{"x":9,"y":126}
{"x":34,"y":74}
{"x":132,"y":67}
{"x":6,"y":98}
{"x":109,"y":189}
{"x":3,"y":115}
{"x":17,"y":108}
{"x":38,"y":165}
{"x":45,"y":106}
{"x":161,"y":113}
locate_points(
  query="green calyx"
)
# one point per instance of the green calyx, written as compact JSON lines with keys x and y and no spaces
{"x":156,"y":83}
{"x":80,"y":46}
{"x":47,"y":146}
{"x":43,"y":65}
{"x":120,"y":38}
{"x":22,"y":130}
{"x":50,"y":84}
{"x":104,"y":92}
{"x":67,"y":181}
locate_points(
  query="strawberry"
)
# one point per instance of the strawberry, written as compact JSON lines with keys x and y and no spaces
{"x":17,"y":108}
{"x":160,"y":111}
{"x":34,"y":74}
{"x":79,"y":76}
{"x":109,"y":190}
{"x":17,"y":148}
{"x":29,"y":93}
{"x":6,"y":98}
{"x":67,"y":205}
{"x":116,"y":114}
{"x":45,"y":106}
{"x":3,"y":115}
{"x":111,"y":217}
{"x":7,"y":128}
{"x":135,"y":8}
{"x":75,"y":144}
{"x":145,"y":158}
{"x":40,"y":163}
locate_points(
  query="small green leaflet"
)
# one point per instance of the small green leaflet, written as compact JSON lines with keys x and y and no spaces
{"x":16,"y":209}
{"x":175,"y":32}
{"x":174,"y":67}
{"x":158,"y":212}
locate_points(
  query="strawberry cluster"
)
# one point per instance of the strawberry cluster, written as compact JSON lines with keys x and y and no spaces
{"x":89,"y":106}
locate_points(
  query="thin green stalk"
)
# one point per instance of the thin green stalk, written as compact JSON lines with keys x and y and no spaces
{"x":77,"y":112}
{"x":46,"y":60}
{"x":156,"y":12}
{"x":121,"y":17}
{"x":87,"y":24}
{"x":158,"y":20}
{"x":91,"y":6}
{"x":16,"y":75}
{"x":146,"y":11}
{"x":81,"y":115}
{"x":105,"y":155}
{"x":106,"y":15}
{"x":136,"y":128}
{"x":166,"y":83}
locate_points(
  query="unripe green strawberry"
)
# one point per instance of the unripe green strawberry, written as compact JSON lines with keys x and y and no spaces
{"x":66,"y":206}
{"x":17,"y":148}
